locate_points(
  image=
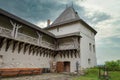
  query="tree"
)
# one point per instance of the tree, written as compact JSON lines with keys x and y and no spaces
{"x":113,"y":65}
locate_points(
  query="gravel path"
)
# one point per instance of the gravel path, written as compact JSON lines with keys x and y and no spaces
{"x":46,"y":76}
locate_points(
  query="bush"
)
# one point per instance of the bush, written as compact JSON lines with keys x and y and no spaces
{"x":113,"y":65}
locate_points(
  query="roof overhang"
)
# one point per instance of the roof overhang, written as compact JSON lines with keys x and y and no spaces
{"x":76,"y":34}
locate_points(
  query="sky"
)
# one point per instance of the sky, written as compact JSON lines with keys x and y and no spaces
{"x":103,"y":16}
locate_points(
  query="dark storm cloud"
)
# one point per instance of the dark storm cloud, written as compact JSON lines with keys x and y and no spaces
{"x":32,"y":10}
{"x":96,"y":17}
{"x":41,"y":10}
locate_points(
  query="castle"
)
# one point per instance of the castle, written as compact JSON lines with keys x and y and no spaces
{"x":66,"y":45}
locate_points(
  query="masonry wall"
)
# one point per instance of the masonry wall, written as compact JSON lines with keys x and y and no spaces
{"x":19,"y":60}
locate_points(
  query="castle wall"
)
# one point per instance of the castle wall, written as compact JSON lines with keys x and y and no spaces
{"x":25,"y":35}
{"x":20,"y":60}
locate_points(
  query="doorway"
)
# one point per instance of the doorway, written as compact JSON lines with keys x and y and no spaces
{"x":66,"y":66}
{"x":63,"y":66}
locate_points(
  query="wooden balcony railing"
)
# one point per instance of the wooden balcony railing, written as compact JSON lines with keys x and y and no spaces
{"x":28,"y":39}
{"x":25,"y":38}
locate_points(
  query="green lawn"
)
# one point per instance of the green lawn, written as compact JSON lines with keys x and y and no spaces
{"x":92,"y":74}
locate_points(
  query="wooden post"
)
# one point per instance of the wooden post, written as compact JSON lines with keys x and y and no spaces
{"x":99,"y":72}
{"x":39,"y":38}
{"x":15,"y":29}
{"x":1,"y":42}
{"x":8,"y":44}
{"x":15,"y":43}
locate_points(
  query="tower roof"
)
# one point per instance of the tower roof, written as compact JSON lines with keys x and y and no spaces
{"x":68,"y":15}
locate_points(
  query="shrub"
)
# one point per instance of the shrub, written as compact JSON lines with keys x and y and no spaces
{"x":113,"y":65}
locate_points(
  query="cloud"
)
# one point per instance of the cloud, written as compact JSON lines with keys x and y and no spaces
{"x":41,"y":10}
{"x":33,"y":10}
{"x":93,"y":16}
{"x":108,"y":40}
{"x":108,"y":28}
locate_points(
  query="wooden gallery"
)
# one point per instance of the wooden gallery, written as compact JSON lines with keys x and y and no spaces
{"x":67,"y":45}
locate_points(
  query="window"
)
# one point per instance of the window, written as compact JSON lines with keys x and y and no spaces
{"x":90,"y":46}
{"x":93,"y":48}
{"x":89,"y":61}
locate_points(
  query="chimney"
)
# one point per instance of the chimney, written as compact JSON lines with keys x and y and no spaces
{"x":48,"y":22}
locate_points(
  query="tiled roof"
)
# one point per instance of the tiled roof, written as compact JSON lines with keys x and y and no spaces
{"x":68,"y":15}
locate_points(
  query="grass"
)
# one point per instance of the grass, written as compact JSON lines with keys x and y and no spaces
{"x":92,"y":74}
{"x":115,"y":75}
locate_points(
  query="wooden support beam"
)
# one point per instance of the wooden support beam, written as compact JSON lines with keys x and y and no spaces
{"x":8,"y":42}
{"x":78,"y":52}
{"x":40,"y":50}
{"x":51,"y":53}
{"x":34,"y":49}
{"x":37,"y":51}
{"x":1,"y":42}
{"x":26,"y":47}
{"x":56,"y":53}
{"x":30,"y":49}
{"x":71,"y":52}
{"x":14,"y":45}
{"x":44,"y":52}
{"x":64,"y":54}
{"x":67,"y":53}
{"x":20,"y":46}
{"x":60,"y":53}
{"x":75,"y":54}
{"x":47,"y":52}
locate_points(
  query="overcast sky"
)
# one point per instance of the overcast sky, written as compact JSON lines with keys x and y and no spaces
{"x":102,"y":15}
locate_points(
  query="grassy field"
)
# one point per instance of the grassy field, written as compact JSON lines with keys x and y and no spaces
{"x":92,"y":74}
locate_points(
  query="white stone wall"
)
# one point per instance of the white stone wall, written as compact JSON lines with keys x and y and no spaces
{"x":20,"y":60}
{"x":87,"y":37}
{"x":65,"y":29}
{"x":86,"y":53}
